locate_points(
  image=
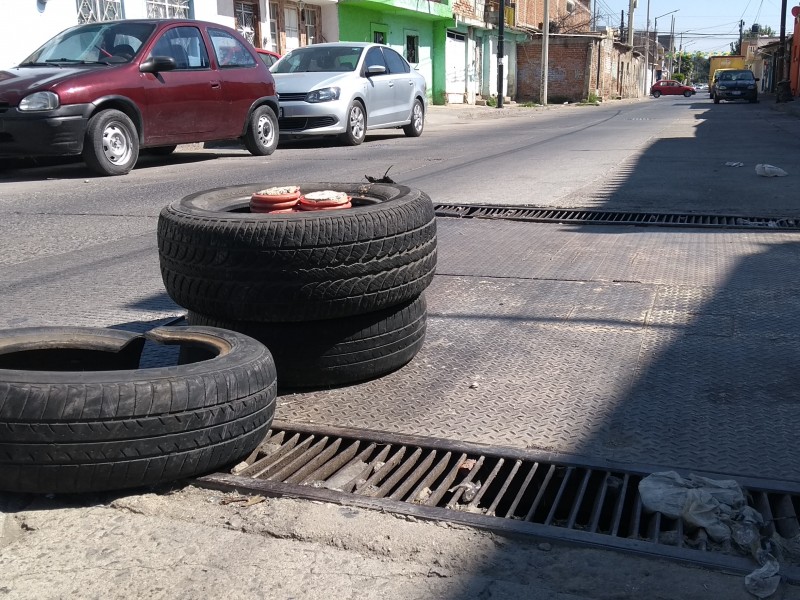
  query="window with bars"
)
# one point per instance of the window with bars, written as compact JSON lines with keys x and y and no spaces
{"x":272,"y":44}
{"x":412,"y":48}
{"x":169,"y":9}
{"x":247,"y":21}
{"x":310,"y":17}
{"x":94,"y":11}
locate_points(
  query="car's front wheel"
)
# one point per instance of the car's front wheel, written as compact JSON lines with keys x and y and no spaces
{"x":687,"y":94}
{"x":656,"y":94}
{"x":111,"y":146}
{"x":414,"y":129}
{"x":356,"y":125}
{"x":261,"y":138}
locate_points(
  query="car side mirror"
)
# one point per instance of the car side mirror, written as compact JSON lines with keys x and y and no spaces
{"x":156,"y":64}
{"x":758,"y":78}
{"x":376,"y":70}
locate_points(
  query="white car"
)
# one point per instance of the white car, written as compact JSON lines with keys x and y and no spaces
{"x":347,"y":88}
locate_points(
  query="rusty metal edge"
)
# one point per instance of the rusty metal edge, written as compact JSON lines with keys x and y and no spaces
{"x":725,"y":563}
{"x":561,"y":459}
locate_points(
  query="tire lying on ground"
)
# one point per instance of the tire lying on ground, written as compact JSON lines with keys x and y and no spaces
{"x":78,"y":415}
{"x":218,"y":259}
{"x":336,"y":351}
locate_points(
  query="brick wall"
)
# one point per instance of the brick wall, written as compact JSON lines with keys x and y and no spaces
{"x":530,"y":13}
{"x":470,"y":9}
{"x":579,"y":65}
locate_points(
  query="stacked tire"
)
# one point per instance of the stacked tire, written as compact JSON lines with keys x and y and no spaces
{"x":336,"y":295}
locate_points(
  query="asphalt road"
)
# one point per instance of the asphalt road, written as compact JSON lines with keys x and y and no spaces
{"x":80,"y":249}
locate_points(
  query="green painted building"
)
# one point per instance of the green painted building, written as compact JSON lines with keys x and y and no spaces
{"x":417,"y":29}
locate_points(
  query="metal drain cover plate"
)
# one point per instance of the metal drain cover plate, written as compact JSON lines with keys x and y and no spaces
{"x":504,"y":489}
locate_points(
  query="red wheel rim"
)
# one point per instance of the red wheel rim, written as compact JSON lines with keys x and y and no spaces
{"x":274,"y":198}
{"x":258,"y":206}
{"x":312,"y":204}
{"x":307,"y":208}
{"x":269,"y":211}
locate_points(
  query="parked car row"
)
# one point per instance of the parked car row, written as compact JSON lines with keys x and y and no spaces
{"x":108,"y":91}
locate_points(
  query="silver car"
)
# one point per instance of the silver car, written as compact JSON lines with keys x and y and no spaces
{"x":346,"y":88}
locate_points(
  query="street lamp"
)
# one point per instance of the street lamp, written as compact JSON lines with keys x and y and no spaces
{"x":664,"y":15}
{"x":655,"y":31}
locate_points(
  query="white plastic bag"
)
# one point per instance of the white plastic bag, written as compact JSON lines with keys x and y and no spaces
{"x":770,"y":171}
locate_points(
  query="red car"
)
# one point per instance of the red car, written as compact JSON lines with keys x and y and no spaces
{"x":107,"y":90}
{"x":268,"y":56}
{"x":668,"y":87}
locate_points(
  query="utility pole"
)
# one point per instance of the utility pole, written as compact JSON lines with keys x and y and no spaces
{"x":500,"y":58}
{"x":680,"y":54}
{"x":741,"y":35}
{"x":647,"y":53}
{"x":671,"y":47}
{"x":631,"y":6}
{"x":782,"y":48}
{"x":545,"y":53}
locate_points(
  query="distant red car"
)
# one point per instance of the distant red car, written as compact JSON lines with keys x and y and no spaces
{"x":668,"y":87}
{"x":268,"y":56}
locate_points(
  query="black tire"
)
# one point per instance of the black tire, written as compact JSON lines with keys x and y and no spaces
{"x":111,"y":144}
{"x":261,"y":137}
{"x":414,"y":129}
{"x":656,"y":94}
{"x":161,"y":150}
{"x":77,"y":415}
{"x":338,"y":351}
{"x":687,"y":94}
{"x":716,"y":100}
{"x":301,"y":266}
{"x":356,"y":125}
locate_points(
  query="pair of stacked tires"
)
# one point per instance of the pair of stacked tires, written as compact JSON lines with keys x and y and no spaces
{"x":336,"y":296}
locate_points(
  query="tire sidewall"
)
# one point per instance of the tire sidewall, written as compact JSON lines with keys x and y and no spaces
{"x":349,"y":136}
{"x":252,"y":138}
{"x":411,"y":130}
{"x":93,"y":144}
{"x":216,"y":203}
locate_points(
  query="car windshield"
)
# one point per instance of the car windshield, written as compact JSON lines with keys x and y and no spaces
{"x":737,"y":76}
{"x":115,"y":42}
{"x":310,"y":59}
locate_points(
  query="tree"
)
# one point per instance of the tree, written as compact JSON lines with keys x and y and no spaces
{"x":691,"y":66}
{"x":753,"y":33}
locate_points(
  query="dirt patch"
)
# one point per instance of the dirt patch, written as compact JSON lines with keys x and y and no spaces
{"x":190,"y":543}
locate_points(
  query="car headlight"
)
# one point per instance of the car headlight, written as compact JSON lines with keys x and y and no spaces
{"x":323,"y":95}
{"x":39,"y":101}
{"x":722,"y":87}
{"x":751,"y":87}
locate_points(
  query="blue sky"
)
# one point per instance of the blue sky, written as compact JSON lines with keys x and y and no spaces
{"x":707,"y":25}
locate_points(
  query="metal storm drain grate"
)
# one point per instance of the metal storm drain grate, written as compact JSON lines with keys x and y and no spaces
{"x":503,"y":489}
{"x":600,"y":217}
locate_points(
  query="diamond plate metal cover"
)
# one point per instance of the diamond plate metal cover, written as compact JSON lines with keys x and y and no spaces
{"x":676,"y":349}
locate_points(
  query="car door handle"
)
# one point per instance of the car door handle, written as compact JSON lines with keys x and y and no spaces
{"x":215,"y":85}
{"x":391,"y":84}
